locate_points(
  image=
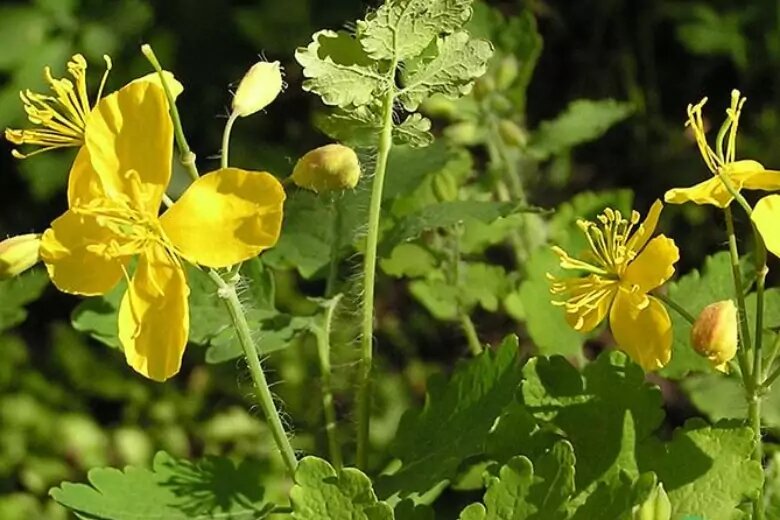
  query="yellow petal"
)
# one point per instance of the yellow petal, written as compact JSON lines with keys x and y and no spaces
{"x":71,"y":251}
{"x":751,"y":175}
{"x":712,"y":191}
{"x":173,"y":84}
{"x":653,"y":266}
{"x":645,"y":334}
{"x":130,"y":130}
{"x":226,"y":217}
{"x":154,"y":317}
{"x":766,"y":217}
{"x":647,"y":228}
{"x":84,"y":184}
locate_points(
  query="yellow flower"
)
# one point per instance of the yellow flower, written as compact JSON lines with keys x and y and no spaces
{"x":63,"y":117}
{"x":746,"y":174}
{"x":624,"y":265}
{"x":115,"y":189}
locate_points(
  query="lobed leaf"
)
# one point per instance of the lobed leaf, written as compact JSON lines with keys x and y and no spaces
{"x":401,"y":29}
{"x":172,"y":490}
{"x":322,"y":492}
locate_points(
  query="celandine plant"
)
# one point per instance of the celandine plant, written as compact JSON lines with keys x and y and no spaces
{"x":548,"y":437}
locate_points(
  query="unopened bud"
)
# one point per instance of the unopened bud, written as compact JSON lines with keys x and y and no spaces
{"x":258,"y":88}
{"x":512,"y":134}
{"x":714,"y":334}
{"x":439,"y":106}
{"x":17,"y":254}
{"x":484,"y":86}
{"x":506,"y":72}
{"x":327,"y":168}
{"x":465,"y":133}
{"x":656,"y":507}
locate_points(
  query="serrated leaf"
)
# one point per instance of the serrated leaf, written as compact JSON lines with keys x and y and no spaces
{"x":453,"y":425}
{"x":693,"y":292}
{"x":338,"y":71}
{"x":18,"y":292}
{"x":707,"y":470}
{"x":408,"y":260}
{"x":173,"y":490}
{"x":97,"y":316}
{"x":612,"y":389}
{"x":443,"y":215}
{"x":415,"y":131}
{"x":408,"y":510}
{"x":450,"y":68}
{"x":401,"y":29}
{"x":322,"y":492}
{"x":583,"y":120}
{"x":273,"y":332}
{"x":360,"y":127}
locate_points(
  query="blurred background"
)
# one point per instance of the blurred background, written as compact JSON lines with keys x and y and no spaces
{"x":68,"y":403}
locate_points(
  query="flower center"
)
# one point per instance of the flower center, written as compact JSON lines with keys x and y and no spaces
{"x":62,"y":117}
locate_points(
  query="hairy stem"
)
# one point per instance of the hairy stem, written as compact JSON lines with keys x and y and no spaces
{"x":187,"y":157}
{"x":333,"y":268}
{"x":226,"y":139}
{"x":322,"y":335}
{"x":369,"y":272}
{"x":227,"y":291}
{"x":739,"y":292}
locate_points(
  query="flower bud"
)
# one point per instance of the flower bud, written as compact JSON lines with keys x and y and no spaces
{"x":507,"y":72}
{"x":512,"y":134}
{"x":440,"y":106}
{"x":714,"y":334}
{"x":656,"y":507}
{"x":484,"y":86}
{"x":465,"y":133}
{"x":327,"y":168}
{"x":258,"y":88}
{"x":17,"y":254}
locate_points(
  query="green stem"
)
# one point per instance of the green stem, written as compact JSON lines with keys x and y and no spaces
{"x":369,"y":273}
{"x":475,"y":347}
{"x":679,"y":309}
{"x":227,"y":291}
{"x":226,"y":139}
{"x":187,"y":157}
{"x":744,"y":330}
{"x":770,"y":362}
{"x":322,"y":335}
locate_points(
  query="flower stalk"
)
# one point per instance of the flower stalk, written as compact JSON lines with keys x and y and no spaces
{"x":369,"y":275}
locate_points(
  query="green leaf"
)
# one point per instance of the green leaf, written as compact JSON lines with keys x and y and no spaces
{"x":415,"y":131}
{"x":173,"y":489}
{"x":402,"y":29}
{"x":338,"y":70}
{"x":693,"y":292}
{"x":707,"y":31}
{"x":720,"y":397}
{"x":273,"y":332}
{"x":408,"y":260}
{"x":408,"y":510}
{"x":546,"y":323}
{"x":707,"y":470}
{"x":772,"y":486}
{"x":443,"y":215}
{"x":322,"y":492}
{"x":453,"y":425}
{"x":360,"y":127}
{"x":97,"y":316}
{"x":520,"y":493}
{"x":449,"y":68}
{"x":18,"y":292}
{"x":583,"y":120}
{"x":613,"y":389}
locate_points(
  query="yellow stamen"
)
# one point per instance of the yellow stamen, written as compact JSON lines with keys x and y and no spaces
{"x":62,"y":118}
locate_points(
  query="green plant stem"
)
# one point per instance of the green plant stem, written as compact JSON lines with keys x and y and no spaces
{"x":322,"y":335}
{"x":226,"y":139}
{"x":227,"y":291}
{"x":187,"y":157}
{"x":744,"y":330}
{"x":769,"y":363}
{"x":679,"y":309}
{"x":369,"y":273}
{"x":475,"y":347}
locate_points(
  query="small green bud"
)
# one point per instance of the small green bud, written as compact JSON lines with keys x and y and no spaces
{"x":259,"y":87}
{"x":714,"y":333}
{"x":439,"y":106}
{"x":17,"y":254}
{"x":327,"y":168}
{"x":501,"y":105}
{"x":656,"y":507}
{"x":465,"y":133}
{"x":512,"y":134}
{"x":507,"y":72}
{"x":484,"y":86}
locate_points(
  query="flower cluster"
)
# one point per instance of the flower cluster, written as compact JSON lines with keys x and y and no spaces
{"x":113,"y":228}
